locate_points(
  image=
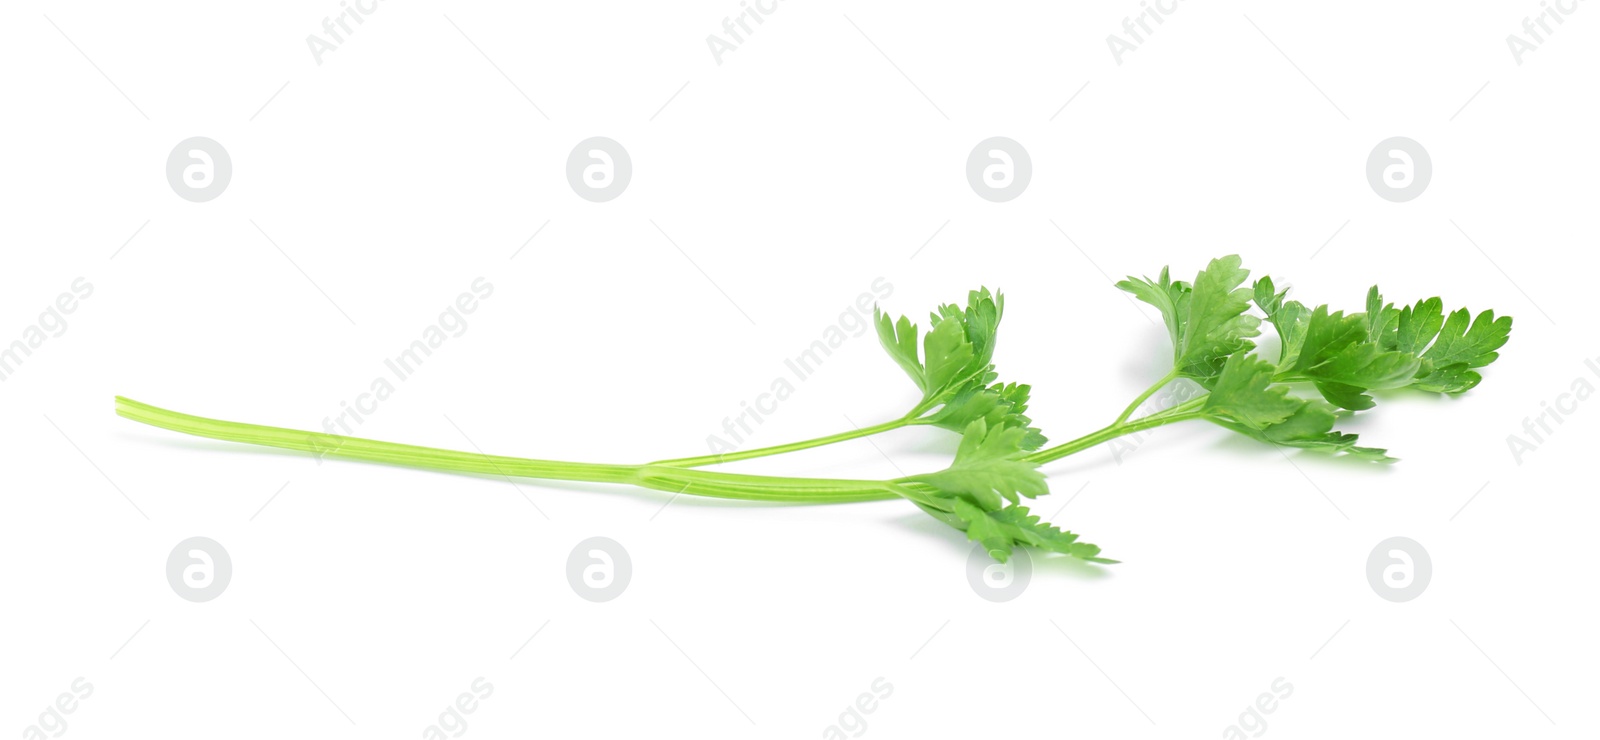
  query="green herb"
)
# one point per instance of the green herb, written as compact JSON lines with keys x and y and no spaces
{"x":1342,"y":357}
{"x":954,"y":371}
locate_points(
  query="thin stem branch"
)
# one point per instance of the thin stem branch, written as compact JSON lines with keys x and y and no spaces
{"x":1182,"y":412}
{"x":726,"y":457}
{"x":1148,"y":392}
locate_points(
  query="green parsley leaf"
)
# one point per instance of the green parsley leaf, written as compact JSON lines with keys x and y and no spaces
{"x":1247,"y":401}
{"x":1000,"y":531}
{"x":955,"y":369}
{"x":1244,"y":392}
{"x":1338,"y":356}
{"x":1170,"y":298}
{"x":1450,"y":348}
{"x":980,"y":320}
{"x":1206,"y":320}
{"x":1289,"y":319}
{"x":988,"y":468}
{"x":999,"y":405}
{"x":980,"y":494}
{"x":949,"y":359}
{"x":956,"y":352}
{"x":899,"y":339}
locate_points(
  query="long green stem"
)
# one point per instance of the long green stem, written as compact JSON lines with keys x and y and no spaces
{"x":659,"y":477}
{"x":726,"y":457}
{"x":672,"y":475}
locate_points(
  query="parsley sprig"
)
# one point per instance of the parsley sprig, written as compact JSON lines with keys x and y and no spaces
{"x":1342,"y":357}
{"x":1329,"y":364}
{"x":952,"y":365}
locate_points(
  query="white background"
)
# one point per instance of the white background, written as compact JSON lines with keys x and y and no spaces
{"x":413,"y":160}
